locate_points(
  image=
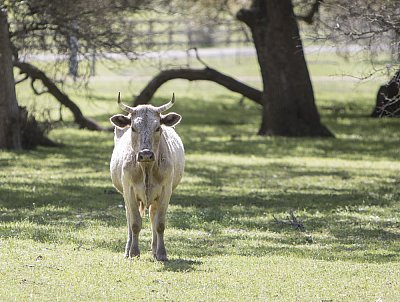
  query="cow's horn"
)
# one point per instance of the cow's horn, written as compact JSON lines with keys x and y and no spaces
{"x":168,"y":105}
{"x":123,"y":106}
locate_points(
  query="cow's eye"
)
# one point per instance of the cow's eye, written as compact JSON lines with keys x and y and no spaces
{"x":158,"y":129}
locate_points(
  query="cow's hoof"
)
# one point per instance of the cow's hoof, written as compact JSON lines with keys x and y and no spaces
{"x":134,"y":253}
{"x":134,"y":256}
{"x":162,"y":258}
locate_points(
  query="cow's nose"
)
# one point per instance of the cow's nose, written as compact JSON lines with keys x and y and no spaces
{"x":145,"y":155}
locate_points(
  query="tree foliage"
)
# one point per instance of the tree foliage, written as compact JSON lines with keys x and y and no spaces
{"x":370,"y":23}
{"x":41,"y":25}
{"x":50,"y":27}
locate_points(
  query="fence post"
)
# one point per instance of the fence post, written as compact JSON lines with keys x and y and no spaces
{"x":228,"y":33}
{"x":73,"y":47}
{"x":130,"y":31}
{"x":93,"y":62}
{"x":150,"y":34}
{"x":189,"y":36}
{"x":170,"y":33}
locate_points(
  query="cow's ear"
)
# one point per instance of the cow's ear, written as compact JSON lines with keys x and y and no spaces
{"x":121,"y":121}
{"x":170,"y":119}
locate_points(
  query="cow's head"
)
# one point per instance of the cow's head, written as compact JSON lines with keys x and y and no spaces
{"x":146,"y":123}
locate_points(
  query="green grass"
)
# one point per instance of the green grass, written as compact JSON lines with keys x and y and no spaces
{"x":63,"y":225}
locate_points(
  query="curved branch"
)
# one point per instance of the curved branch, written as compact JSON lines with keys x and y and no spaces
{"x":247,"y":16}
{"x":196,"y":51}
{"x":21,"y":80}
{"x":309,"y":18}
{"x":206,"y":74}
{"x":34,"y":88}
{"x":36,"y":74}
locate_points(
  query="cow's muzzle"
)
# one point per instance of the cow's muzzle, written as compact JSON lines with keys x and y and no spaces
{"x":145,"y":155}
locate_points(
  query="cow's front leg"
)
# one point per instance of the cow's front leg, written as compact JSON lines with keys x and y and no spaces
{"x":130,"y":238}
{"x":158,"y":214}
{"x":152,"y":213}
{"x":134,"y":221}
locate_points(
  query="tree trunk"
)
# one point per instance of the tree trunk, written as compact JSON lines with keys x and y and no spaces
{"x":288,"y":99}
{"x":10,"y":135}
{"x":388,"y":99}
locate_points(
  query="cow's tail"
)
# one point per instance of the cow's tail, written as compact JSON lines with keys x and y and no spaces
{"x":142,"y":209}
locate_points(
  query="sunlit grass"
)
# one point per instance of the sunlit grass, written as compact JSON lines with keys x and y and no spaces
{"x":228,"y":234}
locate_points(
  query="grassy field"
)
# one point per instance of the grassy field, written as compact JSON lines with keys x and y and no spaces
{"x":229,"y":235}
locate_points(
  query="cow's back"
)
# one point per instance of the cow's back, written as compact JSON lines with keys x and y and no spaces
{"x":120,"y":154}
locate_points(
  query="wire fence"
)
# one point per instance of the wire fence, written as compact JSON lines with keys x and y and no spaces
{"x":153,"y":35}
{"x":182,"y":33}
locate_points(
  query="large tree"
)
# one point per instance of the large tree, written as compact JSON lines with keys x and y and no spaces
{"x":287,"y":97}
{"x":10,"y":135}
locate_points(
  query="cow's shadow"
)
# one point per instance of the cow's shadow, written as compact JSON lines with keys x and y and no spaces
{"x":181,"y":265}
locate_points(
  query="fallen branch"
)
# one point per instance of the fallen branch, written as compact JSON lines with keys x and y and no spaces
{"x":36,"y":74}
{"x":292,"y":221}
{"x":295,"y":223}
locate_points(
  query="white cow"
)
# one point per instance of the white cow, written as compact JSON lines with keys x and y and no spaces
{"x":146,"y":166}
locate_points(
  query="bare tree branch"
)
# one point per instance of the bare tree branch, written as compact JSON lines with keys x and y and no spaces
{"x":207,"y":74}
{"x":36,"y":74}
{"x":198,"y":56}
